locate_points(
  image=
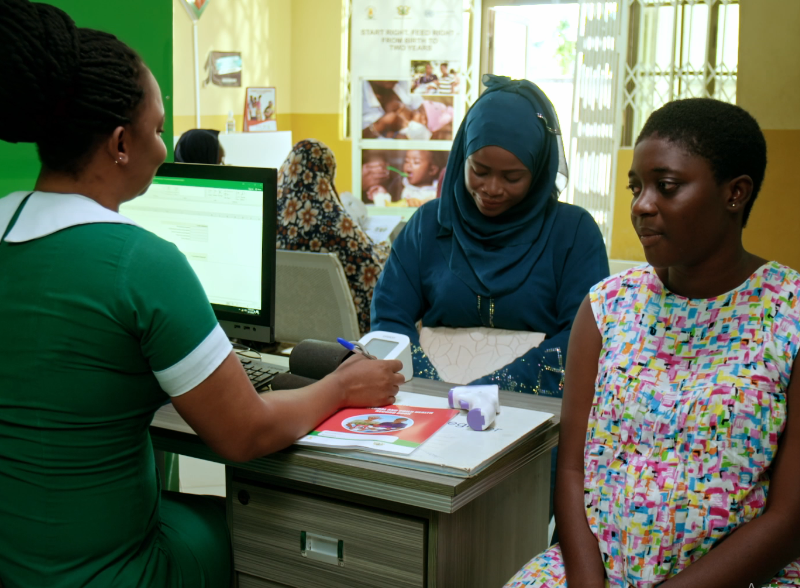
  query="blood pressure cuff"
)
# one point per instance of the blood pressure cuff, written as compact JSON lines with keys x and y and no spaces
{"x":311,"y":360}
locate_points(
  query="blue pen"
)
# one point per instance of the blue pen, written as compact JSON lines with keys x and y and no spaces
{"x":355,"y":347}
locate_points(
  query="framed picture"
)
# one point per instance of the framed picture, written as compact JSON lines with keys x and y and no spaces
{"x":224,"y":69}
{"x":259,"y":110}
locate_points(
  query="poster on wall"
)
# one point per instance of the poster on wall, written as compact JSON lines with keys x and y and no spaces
{"x":224,"y":68}
{"x":388,"y":37}
{"x":260,"y":110}
{"x":407,"y":63}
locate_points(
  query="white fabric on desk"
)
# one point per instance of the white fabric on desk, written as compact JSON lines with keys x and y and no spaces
{"x":464,"y":355}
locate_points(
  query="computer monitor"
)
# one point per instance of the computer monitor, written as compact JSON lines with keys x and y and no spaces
{"x":223,"y":219}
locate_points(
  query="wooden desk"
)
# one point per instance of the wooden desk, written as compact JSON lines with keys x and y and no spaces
{"x":399,"y":527}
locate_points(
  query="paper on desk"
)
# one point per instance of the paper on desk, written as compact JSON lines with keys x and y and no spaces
{"x":395,"y":429}
{"x":380,"y":227}
{"x":456,"y":448}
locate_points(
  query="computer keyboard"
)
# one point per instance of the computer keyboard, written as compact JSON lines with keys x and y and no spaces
{"x":259,"y":372}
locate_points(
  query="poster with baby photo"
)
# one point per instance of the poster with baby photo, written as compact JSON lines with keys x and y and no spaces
{"x":407,"y":178}
{"x":435,"y":77}
{"x":259,"y":110}
{"x":391,"y":111}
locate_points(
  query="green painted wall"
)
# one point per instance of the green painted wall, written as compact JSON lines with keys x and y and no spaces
{"x":145,"y":25}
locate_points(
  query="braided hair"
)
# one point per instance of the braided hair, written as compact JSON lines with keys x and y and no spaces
{"x":66,"y":87}
{"x":724,"y":134}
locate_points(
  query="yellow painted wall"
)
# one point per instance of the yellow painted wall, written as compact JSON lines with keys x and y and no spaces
{"x":260,"y":29}
{"x":294,"y":45}
{"x":316,"y":78}
{"x":316,"y":56}
{"x":772,"y":231}
{"x":624,"y":242}
{"x":768,"y":84}
{"x":769,"y":62}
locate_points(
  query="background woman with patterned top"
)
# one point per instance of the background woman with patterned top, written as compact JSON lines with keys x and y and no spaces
{"x":680,"y":427}
{"x":312,"y":218}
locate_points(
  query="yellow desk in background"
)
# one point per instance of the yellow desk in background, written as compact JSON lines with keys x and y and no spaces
{"x":397,"y":527}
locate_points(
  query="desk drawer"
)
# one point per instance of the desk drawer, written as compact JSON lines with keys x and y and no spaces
{"x":246,"y":581}
{"x":359,"y":547}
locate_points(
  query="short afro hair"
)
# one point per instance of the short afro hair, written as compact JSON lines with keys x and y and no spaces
{"x":726,"y":135}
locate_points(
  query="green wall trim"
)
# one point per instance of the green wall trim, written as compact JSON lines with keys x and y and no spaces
{"x":145,"y":25}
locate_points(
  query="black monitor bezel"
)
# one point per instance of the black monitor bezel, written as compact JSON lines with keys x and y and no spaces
{"x":250,"y":327}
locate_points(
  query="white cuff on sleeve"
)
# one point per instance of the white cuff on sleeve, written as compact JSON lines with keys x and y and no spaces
{"x":193,"y":369}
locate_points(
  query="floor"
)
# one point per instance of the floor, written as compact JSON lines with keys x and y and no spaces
{"x":202,"y":477}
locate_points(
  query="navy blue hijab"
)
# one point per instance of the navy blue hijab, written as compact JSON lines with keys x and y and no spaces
{"x":494,"y":256}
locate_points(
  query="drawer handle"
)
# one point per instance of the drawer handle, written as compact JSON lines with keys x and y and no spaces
{"x":321,"y":548}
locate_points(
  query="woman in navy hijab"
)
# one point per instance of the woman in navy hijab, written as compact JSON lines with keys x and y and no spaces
{"x":497,"y":249}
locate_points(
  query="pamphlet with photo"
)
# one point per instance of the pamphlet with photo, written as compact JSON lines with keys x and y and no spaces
{"x":390,"y":429}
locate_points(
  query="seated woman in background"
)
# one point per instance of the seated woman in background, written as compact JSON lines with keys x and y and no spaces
{"x":497,"y":249}
{"x":103,"y":323}
{"x":680,"y":428}
{"x":312,"y":218}
{"x":200,"y":146}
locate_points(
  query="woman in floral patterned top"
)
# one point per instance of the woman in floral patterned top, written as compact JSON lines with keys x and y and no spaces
{"x":311,"y":218}
{"x":680,"y":440}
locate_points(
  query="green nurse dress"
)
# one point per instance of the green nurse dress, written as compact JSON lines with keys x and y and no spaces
{"x":101,"y":322}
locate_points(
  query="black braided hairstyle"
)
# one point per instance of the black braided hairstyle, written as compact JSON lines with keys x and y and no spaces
{"x":65,"y":88}
{"x":724,"y":134}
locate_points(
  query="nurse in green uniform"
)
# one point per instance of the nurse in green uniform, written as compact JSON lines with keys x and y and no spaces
{"x":101,"y":323}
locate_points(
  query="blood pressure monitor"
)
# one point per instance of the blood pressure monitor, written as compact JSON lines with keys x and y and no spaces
{"x":385,"y":345}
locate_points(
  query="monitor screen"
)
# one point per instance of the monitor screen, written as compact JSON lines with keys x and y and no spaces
{"x":223,"y":219}
{"x":380,"y":348}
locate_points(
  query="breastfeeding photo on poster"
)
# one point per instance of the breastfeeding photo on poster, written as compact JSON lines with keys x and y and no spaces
{"x":391,"y":111}
{"x":407,"y":178}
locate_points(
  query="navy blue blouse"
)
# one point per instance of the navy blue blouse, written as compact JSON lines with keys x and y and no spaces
{"x":418,"y":284}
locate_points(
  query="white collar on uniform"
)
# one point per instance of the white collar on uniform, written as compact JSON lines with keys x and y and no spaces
{"x":46,"y":213}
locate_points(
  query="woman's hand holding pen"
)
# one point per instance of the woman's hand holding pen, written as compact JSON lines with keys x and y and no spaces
{"x":365,"y":382}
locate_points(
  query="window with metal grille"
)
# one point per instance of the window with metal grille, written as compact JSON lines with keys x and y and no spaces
{"x":677,"y":49}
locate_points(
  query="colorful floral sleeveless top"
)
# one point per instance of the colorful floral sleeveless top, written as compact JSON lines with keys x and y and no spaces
{"x":689,"y":406}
